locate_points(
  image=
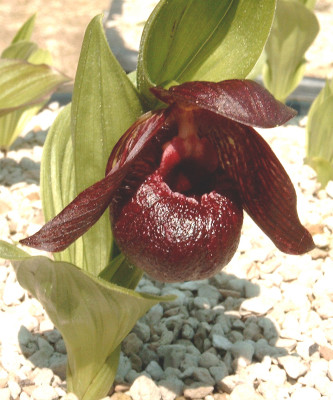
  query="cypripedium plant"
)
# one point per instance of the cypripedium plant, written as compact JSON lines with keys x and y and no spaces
{"x":154,"y":176}
{"x":26,"y":83}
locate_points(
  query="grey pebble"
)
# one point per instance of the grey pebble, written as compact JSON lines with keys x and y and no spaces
{"x":131,"y":344}
{"x":155,"y":370}
{"x":208,"y":359}
{"x":170,"y":388}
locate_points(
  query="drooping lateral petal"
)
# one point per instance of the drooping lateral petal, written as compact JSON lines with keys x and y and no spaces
{"x":244,"y":101}
{"x":84,"y":211}
{"x":266,"y":190}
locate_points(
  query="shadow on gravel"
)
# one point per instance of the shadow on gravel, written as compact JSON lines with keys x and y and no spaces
{"x":180,"y":334}
{"x":126,"y":57}
{"x":13,"y":172}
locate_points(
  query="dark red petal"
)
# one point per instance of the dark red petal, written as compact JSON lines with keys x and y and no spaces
{"x":267,"y":192}
{"x":244,"y":101}
{"x":88,"y":206}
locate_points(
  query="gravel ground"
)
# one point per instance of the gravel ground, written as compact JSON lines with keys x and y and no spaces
{"x":261,"y":329}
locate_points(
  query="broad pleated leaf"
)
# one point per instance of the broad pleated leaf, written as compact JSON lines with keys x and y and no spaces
{"x":187,"y":40}
{"x":294,"y":29}
{"x":319,"y":153}
{"x":105,"y":104}
{"x":92,"y":315}
{"x":58,"y":180}
{"x":21,"y":50}
{"x":23,"y":84}
{"x":25,"y":32}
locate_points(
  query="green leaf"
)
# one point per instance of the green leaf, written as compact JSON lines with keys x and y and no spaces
{"x":92,"y":315}
{"x":10,"y":252}
{"x":319,"y":130}
{"x":23,"y":84}
{"x":41,"y":56}
{"x":21,"y":50}
{"x":25,"y":31}
{"x":310,"y":4}
{"x":105,"y":104}
{"x":12,"y":124}
{"x":121,"y":273}
{"x":186,"y":40}
{"x":294,"y":29}
{"x":57,"y":180}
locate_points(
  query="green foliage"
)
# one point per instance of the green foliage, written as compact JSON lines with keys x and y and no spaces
{"x":202,"y":40}
{"x":294,"y":29}
{"x":26,"y":82}
{"x":319,"y":130}
{"x":93,"y":316}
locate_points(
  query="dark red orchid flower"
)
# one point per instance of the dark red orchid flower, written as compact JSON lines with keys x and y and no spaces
{"x":178,"y":180}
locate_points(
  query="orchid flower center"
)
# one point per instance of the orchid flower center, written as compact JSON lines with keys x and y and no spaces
{"x":188,"y":161}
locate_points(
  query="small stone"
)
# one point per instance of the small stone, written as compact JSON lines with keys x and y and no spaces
{"x":326,"y":352}
{"x":124,"y":366}
{"x":252,"y":331}
{"x":293,"y":365}
{"x":324,"y":386}
{"x":60,"y":346}
{"x":143,"y":388}
{"x":154,"y":315}
{"x":131,"y":344}
{"x":5,"y":394}
{"x":244,"y":392}
{"x":58,"y":364}
{"x":244,"y":350}
{"x":142,"y":331}
{"x":44,"y":392}
{"x":187,"y":331}
{"x":170,"y":388}
{"x":197,"y":390}
{"x":219,"y":372}
{"x":330,"y":370}
{"x":53,"y":336}
{"x":13,"y":293}
{"x":305,"y":393}
{"x":203,"y":375}
{"x":208,"y":359}
{"x":259,"y":305}
{"x":119,"y":396}
{"x":221,"y":342}
{"x":174,"y":357}
{"x":70,"y":396}
{"x":136,"y":362}
{"x":228,"y":383}
{"x":14,"y":388}
{"x":211,"y":293}
{"x":277,"y":376}
{"x":155,"y":370}
{"x":43,"y":376}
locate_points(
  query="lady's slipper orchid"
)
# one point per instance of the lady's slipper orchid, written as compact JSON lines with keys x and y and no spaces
{"x":178,"y":180}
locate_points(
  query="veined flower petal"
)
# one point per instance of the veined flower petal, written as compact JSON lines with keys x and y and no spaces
{"x":267,"y":193}
{"x":89,"y":205}
{"x":244,"y":101}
